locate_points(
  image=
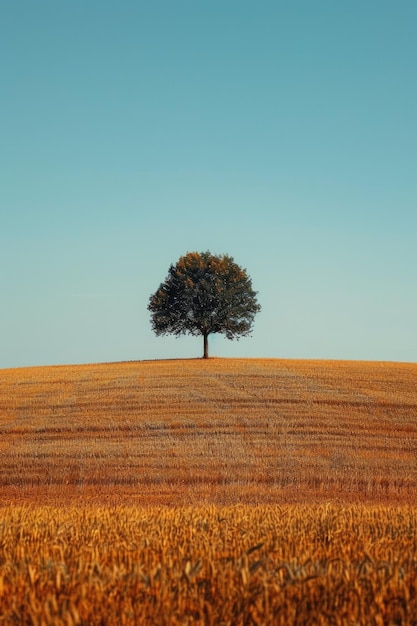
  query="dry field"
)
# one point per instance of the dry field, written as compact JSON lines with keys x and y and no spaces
{"x":221,"y":431}
{"x":220,"y":492}
{"x":283,"y":565}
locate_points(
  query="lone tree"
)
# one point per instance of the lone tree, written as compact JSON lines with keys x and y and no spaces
{"x":204,"y":294}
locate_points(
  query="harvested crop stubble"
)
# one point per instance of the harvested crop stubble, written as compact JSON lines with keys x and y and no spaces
{"x":211,"y":565}
{"x":221,"y":431}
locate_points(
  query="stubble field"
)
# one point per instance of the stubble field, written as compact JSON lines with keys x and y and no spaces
{"x":209,"y":492}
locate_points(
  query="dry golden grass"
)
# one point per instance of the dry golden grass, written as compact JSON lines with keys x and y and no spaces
{"x":238,"y":566}
{"x":291,"y":489}
{"x":221,"y":431}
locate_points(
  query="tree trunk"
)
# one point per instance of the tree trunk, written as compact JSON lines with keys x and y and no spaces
{"x":205,"y":356}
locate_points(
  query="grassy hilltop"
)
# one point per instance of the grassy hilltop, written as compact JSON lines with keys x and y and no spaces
{"x":221,"y":431}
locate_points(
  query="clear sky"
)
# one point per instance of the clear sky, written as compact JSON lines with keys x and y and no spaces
{"x":282,"y":133}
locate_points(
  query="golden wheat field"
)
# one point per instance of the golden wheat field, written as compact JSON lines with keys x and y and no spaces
{"x":271,"y":564}
{"x":217,"y":431}
{"x":221,"y":491}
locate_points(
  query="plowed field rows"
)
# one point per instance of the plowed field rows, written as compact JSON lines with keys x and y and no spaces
{"x":220,"y":431}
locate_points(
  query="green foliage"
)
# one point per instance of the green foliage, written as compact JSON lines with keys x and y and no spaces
{"x":204,"y":294}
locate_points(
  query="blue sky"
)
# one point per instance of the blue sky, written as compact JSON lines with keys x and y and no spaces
{"x":281,"y":133}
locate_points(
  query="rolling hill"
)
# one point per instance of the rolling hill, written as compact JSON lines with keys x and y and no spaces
{"x":217,"y":431}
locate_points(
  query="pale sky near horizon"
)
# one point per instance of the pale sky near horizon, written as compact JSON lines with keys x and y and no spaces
{"x":281,"y":133}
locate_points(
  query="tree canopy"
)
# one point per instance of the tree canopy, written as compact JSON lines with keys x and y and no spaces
{"x":204,"y":294}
